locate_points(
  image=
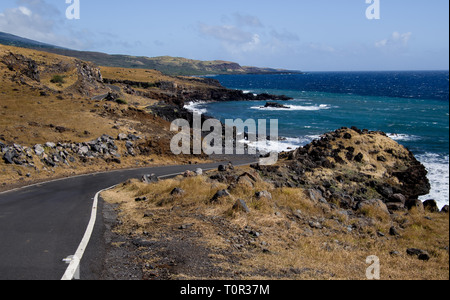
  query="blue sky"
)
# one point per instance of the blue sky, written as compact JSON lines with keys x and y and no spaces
{"x":309,"y":35}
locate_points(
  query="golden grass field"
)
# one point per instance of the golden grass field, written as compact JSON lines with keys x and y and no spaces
{"x":33,"y":112}
{"x":288,"y":246}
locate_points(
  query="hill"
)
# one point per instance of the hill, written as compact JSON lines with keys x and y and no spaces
{"x":56,"y":119}
{"x":165,"y":64}
{"x":13,"y":40}
{"x":61,"y":116}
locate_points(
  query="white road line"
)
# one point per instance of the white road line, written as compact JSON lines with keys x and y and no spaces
{"x":74,"y":264}
{"x":75,"y":260}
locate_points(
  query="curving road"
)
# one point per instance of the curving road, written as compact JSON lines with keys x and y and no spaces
{"x":43,"y":224}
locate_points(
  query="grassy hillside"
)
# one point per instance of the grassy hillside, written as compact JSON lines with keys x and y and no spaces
{"x":166,"y":64}
{"x":50,"y":98}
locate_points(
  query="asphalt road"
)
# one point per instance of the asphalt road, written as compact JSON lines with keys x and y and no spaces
{"x":40,"y":225}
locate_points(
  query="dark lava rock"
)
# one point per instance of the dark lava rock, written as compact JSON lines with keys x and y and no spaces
{"x":431,"y":206}
{"x":276,"y":105}
{"x":421,"y":254}
{"x":219,"y":194}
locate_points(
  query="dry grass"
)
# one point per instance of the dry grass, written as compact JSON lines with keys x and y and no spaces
{"x":288,"y":247}
{"x":149,"y":76}
{"x":33,"y":112}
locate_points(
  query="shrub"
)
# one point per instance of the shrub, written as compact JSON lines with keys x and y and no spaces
{"x":57,"y":79}
{"x":121,"y":101}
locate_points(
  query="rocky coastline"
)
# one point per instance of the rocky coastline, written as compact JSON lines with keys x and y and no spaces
{"x":172,"y":93}
{"x":351,"y":193}
{"x":299,"y":219}
{"x":398,"y":186}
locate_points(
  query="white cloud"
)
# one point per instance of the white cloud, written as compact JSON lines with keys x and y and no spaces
{"x":226,"y":33}
{"x":233,"y":39}
{"x":23,"y":22}
{"x":25,"y":11}
{"x":247,"y":35}
{"x":43,"y":22}
{"x":395,"y":41}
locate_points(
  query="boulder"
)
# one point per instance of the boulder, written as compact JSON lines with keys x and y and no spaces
{"x":39,"y":150}
{"x":414,"y":203}
{"x":400,"y":198}
{"x":133,"y":137}
{"x":222,"y":168}
{"x":359,"y":157}
{"x":375,"y":203}
{"x":431,"y":206}
{"x":421,"y":254}
{"x":347,"y":136}
{"x":141,"y":199}
{"x":218,"y":195}
{"x":445,"y":209}
{"x":276,"y":105}
{"x":393,"y":231}
{"x":263,"y":194}
{"x":50,"y":145}
{"x":9,"y":156}
{"x":240,"y":205}
{"x":83,"y":150}
{"x":316,"y":196}
{"x":188,"y":173}
{"x":315,"y":225}
{"x":152,"y":178}
{"x":106,"y":138}
{"x":395,"y":206}
{"x":122,"y":137}
{"x":177,"y":191}
{"x":129,"y":145}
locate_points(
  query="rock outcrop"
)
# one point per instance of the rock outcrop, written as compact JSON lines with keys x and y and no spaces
{"x":350,"y":166}
{"x":179,"y":94}
{"x":275,"y":105}
{"x":52,"y":155}
{"x":23,"y":66}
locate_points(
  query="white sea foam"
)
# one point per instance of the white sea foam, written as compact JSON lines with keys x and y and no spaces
{"x":438,"y":174}
{"x":294,"y":108}
{"x":403,"y":137}
{"x":283,"y":145}
{"x":195,"y":107}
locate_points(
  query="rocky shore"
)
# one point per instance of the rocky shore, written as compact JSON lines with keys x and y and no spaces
{"x":317,"y":214}
{"x":179,"y":94}
{"x":350,"y":166}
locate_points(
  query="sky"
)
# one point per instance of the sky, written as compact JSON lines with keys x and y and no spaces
{"x":307,"y":35}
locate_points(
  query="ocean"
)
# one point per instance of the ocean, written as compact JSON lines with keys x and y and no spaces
{"x":411,"y":107}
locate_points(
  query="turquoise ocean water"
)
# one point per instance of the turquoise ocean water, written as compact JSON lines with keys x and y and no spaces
{"x":411,"y":107}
